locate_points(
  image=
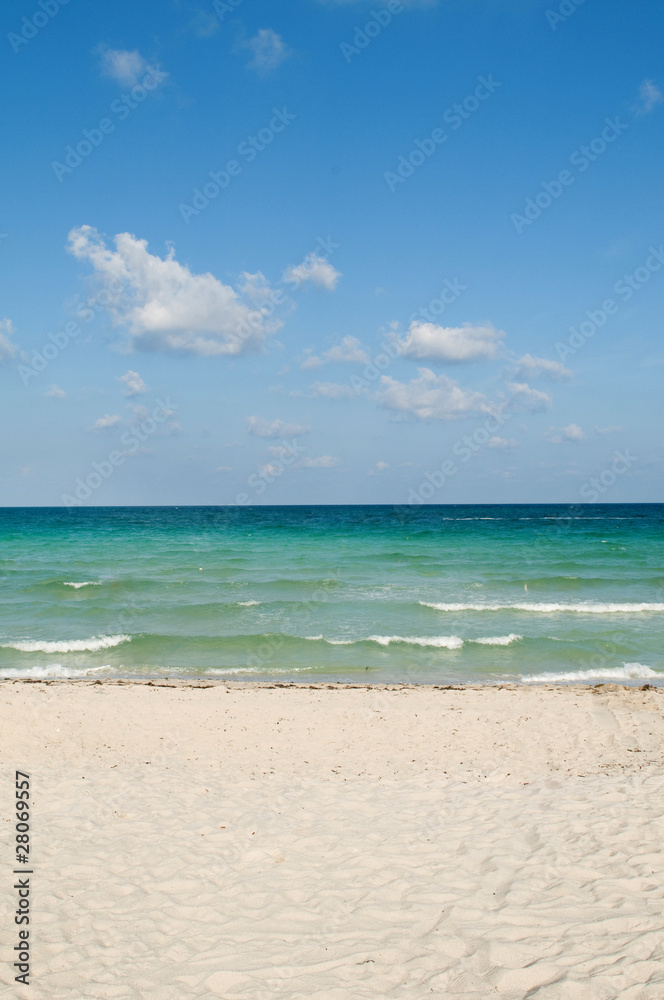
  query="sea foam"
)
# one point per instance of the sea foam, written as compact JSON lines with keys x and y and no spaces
{"x":498,"y":640}
{"x":628,"y":671}
{"x":52,"y":670}
{"x":68,"y":646}
{"x":85,"y":583}
{"x":438,"y":641}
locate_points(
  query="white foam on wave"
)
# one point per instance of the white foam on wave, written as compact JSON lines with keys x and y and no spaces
{"x":247,"y":604}
{"x":582,"y":607}
{"x":498,"y":640}
{"x":53,"y":670}
{"x":85,"y":583}
{"x":628,"y":671}
{"x":438,"y":641}
{"x":332,"y":642}
{"x":72,"y":646}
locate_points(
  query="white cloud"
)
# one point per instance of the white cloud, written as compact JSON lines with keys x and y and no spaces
{"x":315,"y":269}
{"x":56,"y":392}
{"x":453,"y":344}
{"x":122,"y":65}
{"x":378,"y":468}
{"x":133,"y":383}
{"x":7,"y":349}
{"x":274,"y":428}
{"x":431,"y":397}
{"x":650,"y":96}
{"x":167,"y":308}
{"x":573,"y":433}
{"x":269,"y":51}
{"x":322,"y":462}
{"x":523,"y":397}
{"x":255,"y":288}
{"x":270,"y":469}
{"x":110,"y":420}
{"x":311,"y":361}
{"x":349,"y":350}
{"x":530,"y":367}
{"x":332,"y":390}
{"x":570,"y":433}
{"x":498,"y":442}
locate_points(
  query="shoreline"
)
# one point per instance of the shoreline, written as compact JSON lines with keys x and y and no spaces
{"x":206,"y":682}
{"x":373,"y":729}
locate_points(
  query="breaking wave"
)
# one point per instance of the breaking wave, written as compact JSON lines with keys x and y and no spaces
{"x":72,"y":646}
{"x":52,"y":670}
{"x":628,"y":671}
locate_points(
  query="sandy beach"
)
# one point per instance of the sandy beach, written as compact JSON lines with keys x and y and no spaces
{"x":230,"y":840}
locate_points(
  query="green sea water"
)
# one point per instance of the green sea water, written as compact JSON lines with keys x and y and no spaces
{"x":432,"y":594}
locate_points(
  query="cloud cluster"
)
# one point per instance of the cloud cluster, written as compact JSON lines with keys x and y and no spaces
{"x":133,"y":383}
{"x":570,"y":433}
{"x":349,"y":351}
{"x":438,"y":397}
{"x":268,"y":50}
{"x":124,"y":66}
{"x":315,"y":269}
{"x":109,"y":420}
{"x":168,"y":309}
{"x":428,"y":341}
{"x":431,"y":397}
{"x":524,"y":397}
{"x":530,"y":367}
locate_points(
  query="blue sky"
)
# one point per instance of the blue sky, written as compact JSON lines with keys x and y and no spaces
{"x":331,"y":252}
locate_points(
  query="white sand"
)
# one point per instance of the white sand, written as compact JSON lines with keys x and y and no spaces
{"x":266,"y":842}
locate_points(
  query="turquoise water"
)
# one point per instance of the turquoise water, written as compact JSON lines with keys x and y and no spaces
{"x":435,"y":594}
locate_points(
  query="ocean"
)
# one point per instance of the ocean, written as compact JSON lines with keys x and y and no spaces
{"x":383,"y":594}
